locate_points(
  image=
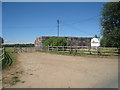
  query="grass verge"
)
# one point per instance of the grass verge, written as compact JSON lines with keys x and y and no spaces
{"x":11,"y":70}
{"x":8,"y":60}
{"x":77,"y":54}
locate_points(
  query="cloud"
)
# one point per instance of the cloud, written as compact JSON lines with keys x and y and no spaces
{"x":17,"y":42}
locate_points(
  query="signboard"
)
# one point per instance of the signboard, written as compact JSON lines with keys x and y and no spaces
{"x":95,"y":42}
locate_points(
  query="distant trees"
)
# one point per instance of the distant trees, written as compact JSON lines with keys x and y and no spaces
{"x":18,"y":45}
{"x":56,"y":42}
{"x":110,"y":22}
{"x":1,"y":40}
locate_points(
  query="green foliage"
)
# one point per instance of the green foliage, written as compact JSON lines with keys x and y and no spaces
{"x":49,"y":41}
{"x":15,"y":79}
{"x":56,"y":42}
{"x":96,"y":36}
{"x":110,"y":22}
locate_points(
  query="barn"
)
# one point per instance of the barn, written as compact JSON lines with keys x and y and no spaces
{"x":74,"y":41}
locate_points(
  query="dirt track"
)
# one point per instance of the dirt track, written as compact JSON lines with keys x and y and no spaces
{"x":43,"y":70}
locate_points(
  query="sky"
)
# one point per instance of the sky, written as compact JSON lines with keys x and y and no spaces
{"x":24,"y":21}
{"x":0,"y":18}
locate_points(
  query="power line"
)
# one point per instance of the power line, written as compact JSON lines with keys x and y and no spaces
{"x":71,"y":25}
{"x":76,"y":29}
{"x":82,"y":20}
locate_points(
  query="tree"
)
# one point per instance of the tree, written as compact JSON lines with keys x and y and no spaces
{"x":56,"y":42}
{"x":96,"y":36}
{"x":1,"y":40}
{"x":110,"y":22}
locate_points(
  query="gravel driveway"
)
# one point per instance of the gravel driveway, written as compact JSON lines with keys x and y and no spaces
{"x":43,"y":70}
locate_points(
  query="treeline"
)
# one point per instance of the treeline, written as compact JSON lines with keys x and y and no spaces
{"x":18,"y":45}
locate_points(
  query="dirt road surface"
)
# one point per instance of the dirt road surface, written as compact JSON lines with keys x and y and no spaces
{"x":43,"y":70}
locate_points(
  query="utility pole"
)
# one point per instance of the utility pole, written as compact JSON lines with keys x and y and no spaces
{"x":58,"y":27}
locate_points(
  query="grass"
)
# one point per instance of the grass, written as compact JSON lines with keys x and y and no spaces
{"x":76,"y":54}
{"x":11,"y":76}
{"x":9,"y":49}
{"x":65,"y":53}
{"x":14,"y":80}
{"x":10,"y":59}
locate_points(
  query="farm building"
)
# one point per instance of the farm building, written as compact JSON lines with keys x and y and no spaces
{"x":74,"y":41}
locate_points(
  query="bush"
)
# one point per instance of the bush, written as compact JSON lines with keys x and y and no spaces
{"x":56,"y":42}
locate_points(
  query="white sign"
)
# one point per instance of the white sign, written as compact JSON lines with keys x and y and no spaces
{"x":95,"y":42}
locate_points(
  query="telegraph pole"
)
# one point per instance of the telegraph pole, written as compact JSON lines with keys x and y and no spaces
{"x":58,"y":27}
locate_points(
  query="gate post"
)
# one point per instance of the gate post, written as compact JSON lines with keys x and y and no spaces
{"x":63,"y":48}
{"x":48,"y":47}
{"x":90,"y":50}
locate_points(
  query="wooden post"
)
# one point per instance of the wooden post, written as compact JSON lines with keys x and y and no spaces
{"x":30,"y":49}
{"x":14,"y":49}
{"x":48,"y":47}
{"x":21,"y":49}
{"x":63,"y":48}
{"x":98,"y":51}
{"x":57,"y":48}
{"x":25,"y":49}
{"x":70,"y":49}
{"x":76,"y":50}
{"x":90,"y":50}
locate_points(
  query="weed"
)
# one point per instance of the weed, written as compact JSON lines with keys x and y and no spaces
{"x":15,"y":79}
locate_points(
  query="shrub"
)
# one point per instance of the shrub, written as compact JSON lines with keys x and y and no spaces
{"x":56,"y":42}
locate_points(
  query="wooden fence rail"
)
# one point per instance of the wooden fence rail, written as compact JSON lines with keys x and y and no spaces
{"x":83,"y":49}
{"x":70,"y":49}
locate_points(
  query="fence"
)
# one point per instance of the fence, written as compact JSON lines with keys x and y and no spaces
{"x":23,"y":49}
{"x":69,"y":49}
{"x":2,"y":54}
{"x":83,"y":50}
